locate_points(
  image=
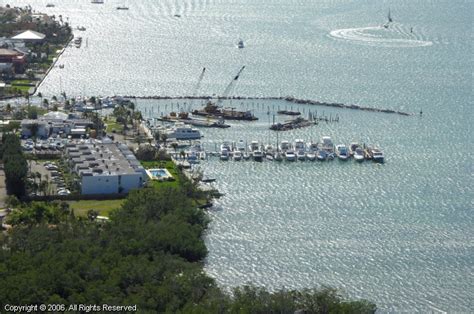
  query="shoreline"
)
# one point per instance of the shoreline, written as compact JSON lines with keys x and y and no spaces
{"x":35,"y":89}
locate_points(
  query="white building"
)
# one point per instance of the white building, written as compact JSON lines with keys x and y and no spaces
{"x":55,"y":123}
{"x":105,"y":168}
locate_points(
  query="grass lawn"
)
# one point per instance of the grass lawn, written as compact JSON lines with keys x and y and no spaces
{"x":113,"y":125}
{"x":103,"y":207}
{"x":22,"y":88}
{"x":24,"y":82}
{"x":170,"y":166}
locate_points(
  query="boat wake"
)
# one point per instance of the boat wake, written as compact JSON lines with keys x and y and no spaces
{"x":380,"y":36}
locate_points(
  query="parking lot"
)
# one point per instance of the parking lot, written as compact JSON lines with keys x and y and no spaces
{"x":50,"y":173}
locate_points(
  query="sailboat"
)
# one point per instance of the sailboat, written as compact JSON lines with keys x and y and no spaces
{"x":390,"y":20}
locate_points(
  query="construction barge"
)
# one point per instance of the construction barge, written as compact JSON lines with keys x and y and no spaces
{"x":184,"y":117}
{"x":289,"y":112}
{"x":213,"y":111}
{"x":293,"y":124}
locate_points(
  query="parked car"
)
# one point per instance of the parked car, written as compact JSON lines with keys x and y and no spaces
{"x":64,"y":192}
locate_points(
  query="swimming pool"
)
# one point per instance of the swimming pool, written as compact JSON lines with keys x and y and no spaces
{"x":157,"y":174}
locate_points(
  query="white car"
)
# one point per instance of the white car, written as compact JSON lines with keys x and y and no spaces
{"x":64,"y":192}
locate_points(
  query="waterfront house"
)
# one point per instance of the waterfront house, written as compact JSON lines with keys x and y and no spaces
{"x":13,"y":57}
{"x":30,"y":36}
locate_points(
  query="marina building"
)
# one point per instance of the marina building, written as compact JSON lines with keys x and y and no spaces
{"x":55,"y":123}
{"x":105,"y":167}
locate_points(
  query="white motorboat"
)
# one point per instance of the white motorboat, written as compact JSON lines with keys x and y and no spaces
{"x":290,"y":155}
{"x":257,"y":155}
{"x":240,"y":146}
{"x":301,"y":155}
{"x":311,"y":155}
{"x":321,"y":155}
{"x":254,"y":146}
{"x":299,"y":145}
{"x":377,"y":155}
{"x":237,"y":155}
{"x":193,"y":157}
{"x":359,"y":154}
{"x":352,"y":148}
{"x":311,"y":151}
{"x":226,"y":145}
{"x":284,"y":146}
{"x":224,"y":155}
{"x":327,"y":144}
{"x":342,"y":152}
{"x":183,"y":132}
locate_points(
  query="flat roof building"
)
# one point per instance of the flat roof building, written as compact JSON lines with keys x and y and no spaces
{"x":105,"y":168}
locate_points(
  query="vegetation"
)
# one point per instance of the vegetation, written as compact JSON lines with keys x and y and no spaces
{"x":15,"y":165}
{"x":103,"y":207}
{"x":150,"y":254}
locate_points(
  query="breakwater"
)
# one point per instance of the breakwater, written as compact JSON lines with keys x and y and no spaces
{"x":287,"y":98}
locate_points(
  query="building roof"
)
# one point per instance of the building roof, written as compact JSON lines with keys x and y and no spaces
{"x":55,"y":115}
{"x":8,"y":52}
{"x":30,"y":35}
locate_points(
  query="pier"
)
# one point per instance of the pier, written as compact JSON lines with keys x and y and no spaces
{"x":287,"y":98}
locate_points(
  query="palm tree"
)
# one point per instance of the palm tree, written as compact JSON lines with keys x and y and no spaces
{"x":43,"y":187}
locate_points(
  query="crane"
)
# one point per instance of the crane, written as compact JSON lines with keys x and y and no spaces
{"x":198,"y":85}
{"x":229,"y":87}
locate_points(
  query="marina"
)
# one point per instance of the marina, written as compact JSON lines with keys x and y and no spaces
{"x":398,"y":233}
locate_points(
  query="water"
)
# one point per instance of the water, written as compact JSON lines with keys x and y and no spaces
{"x":399,"y":234}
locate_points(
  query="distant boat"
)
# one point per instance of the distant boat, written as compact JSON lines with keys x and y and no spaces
{"x":177,"y":15}
{"x":50,"y":5}
{"x":122,"y":8}
{"x":390,"y":20}
{"x":97,"y":1}
{"x":240,"y":44}
{"x":81,"y":28}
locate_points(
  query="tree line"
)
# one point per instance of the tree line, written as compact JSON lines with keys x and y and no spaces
{"x":149,"y":254}
{"x":14,"y":164}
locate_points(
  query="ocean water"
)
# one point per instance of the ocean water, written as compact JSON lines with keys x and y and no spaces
{"x":399,"y":234}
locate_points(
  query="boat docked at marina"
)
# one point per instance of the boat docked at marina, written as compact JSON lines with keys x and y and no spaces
{"x":290,"y":155}
{"x":359,"y":154}
{"x":224,"y":154}
{"x":284,"y":146}
{"x":342,"y":152}
{"x":278,"y":156}
{"x":240,"y":145}
{"x":376,"y":155}
{"x":183,"y":132}
{"x":257,"y":155}
{"x":301,"y":155}
{"x":327,"y":144}
{"x":237,"y":155}
{"x":321,"y":155}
